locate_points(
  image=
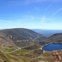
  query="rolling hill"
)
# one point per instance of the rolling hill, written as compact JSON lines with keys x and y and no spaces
{"x":55,"y":38}
{"x":21,"y":36}
{"x":25,"y":38}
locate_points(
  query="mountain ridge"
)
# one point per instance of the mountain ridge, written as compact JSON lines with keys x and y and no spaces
{"x":47,"y":33}
{"x":21,"y":36}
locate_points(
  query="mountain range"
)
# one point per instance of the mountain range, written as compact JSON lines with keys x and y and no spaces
{"x":47,"y":33}
{"x":21,"y":37}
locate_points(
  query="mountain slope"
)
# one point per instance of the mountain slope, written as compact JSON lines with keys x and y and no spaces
{"x":21,"y":36}
{"x":54,"y":38}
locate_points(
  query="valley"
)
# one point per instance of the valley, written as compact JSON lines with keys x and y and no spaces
{"x":24,"y":45}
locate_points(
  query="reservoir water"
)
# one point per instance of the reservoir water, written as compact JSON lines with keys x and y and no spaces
{"x":53,"y":46}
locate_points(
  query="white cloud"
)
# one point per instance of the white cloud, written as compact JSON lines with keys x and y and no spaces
{"x":60,"y":9}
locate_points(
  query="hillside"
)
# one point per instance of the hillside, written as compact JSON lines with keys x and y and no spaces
{"x":54,"y":38}
{"x":11,"y":39}
{"x":21,"y":37}
{"x":29,"y":41}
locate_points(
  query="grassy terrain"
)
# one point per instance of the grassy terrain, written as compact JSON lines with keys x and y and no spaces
{"x":25,"y":55}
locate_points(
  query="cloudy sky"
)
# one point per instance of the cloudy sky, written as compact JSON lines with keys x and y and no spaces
{"x":33,"y":14}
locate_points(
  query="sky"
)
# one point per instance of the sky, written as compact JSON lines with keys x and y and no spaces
{"x":31,"y":14}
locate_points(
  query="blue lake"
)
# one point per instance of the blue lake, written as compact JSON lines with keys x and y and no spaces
{"x":53,"y":46}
